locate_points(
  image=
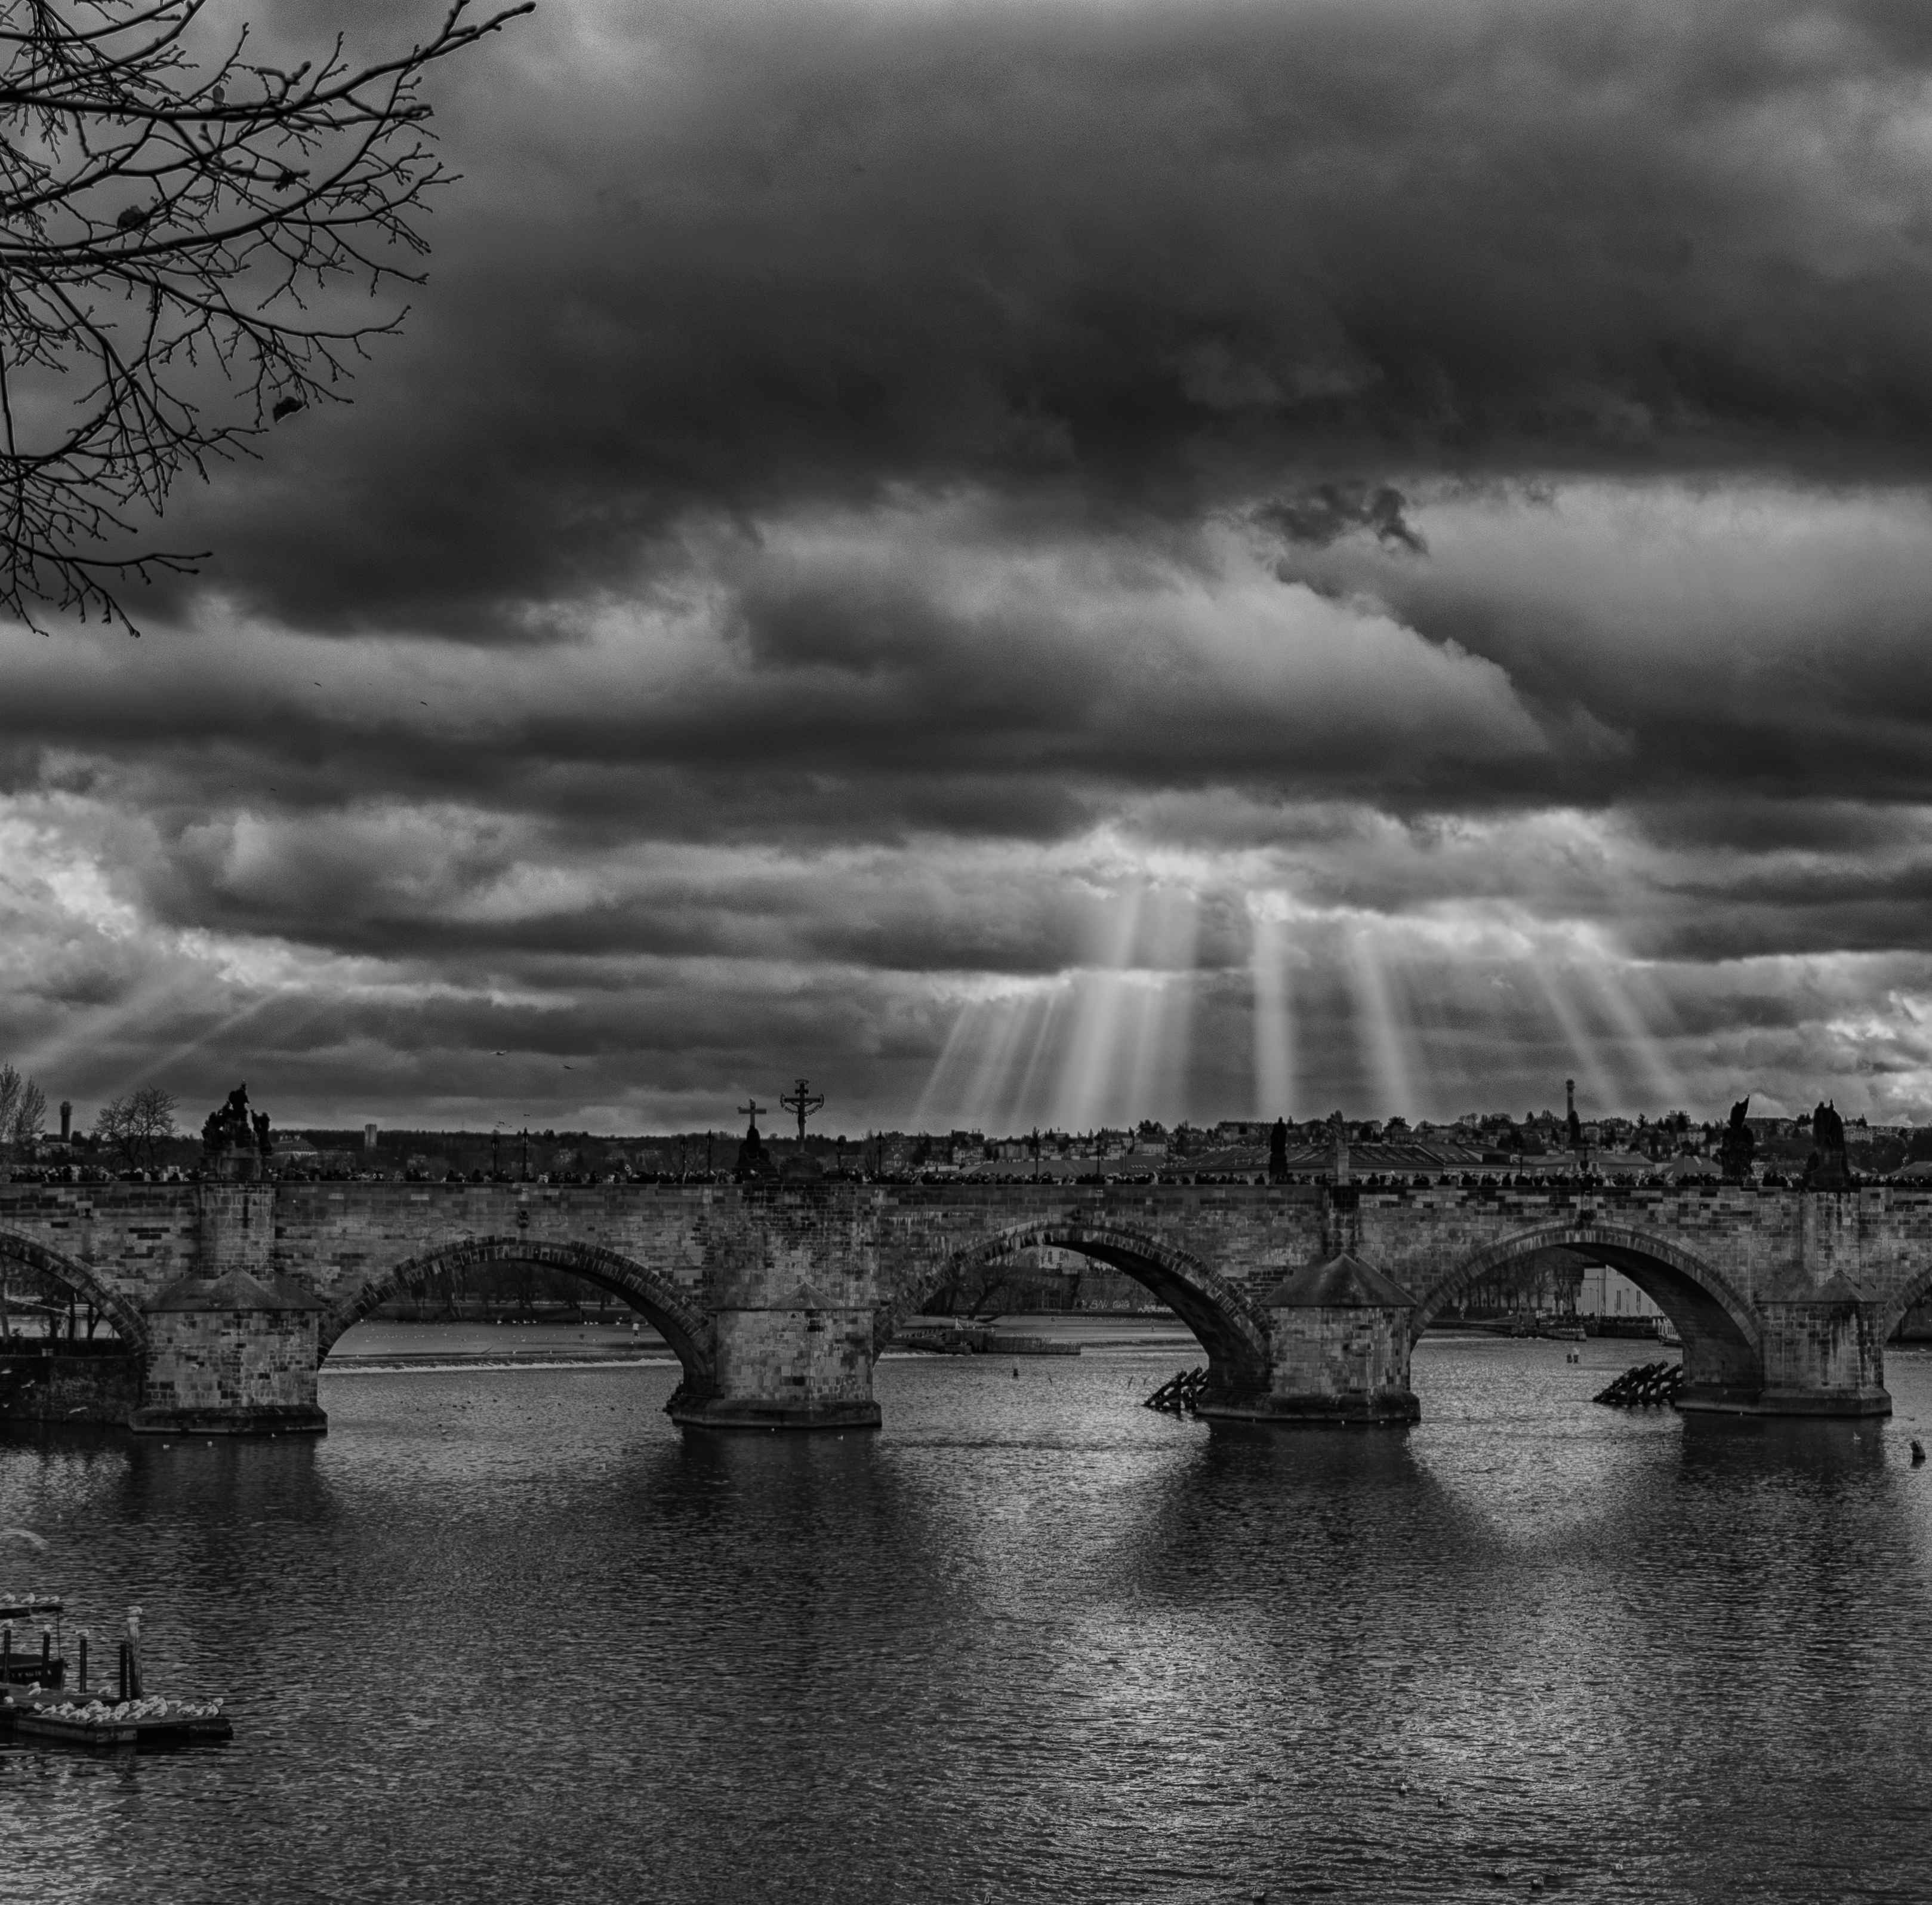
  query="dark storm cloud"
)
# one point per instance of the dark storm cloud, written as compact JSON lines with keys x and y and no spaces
{"x":1693,"y":652}
{"x":880,"y":509}
{"x":859,"y":678}
{"x":1125,"y":265}
{"x":1140,"y":261}
{"x":1320,"y":515}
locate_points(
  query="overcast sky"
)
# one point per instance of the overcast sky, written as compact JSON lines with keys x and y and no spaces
{"x":1050,"y":563}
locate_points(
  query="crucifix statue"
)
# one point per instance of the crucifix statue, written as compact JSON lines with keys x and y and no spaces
{"x":803,"y":1101}
{"x":753,"y":1160}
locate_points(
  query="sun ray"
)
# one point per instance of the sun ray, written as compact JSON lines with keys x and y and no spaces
{"x":1086,"y":1083}
{"x":1155,"y":1057}
{"x":1026,"y":1104}
{"x":1378,"y":1030}
{"x":1584,"y":1049}
{"x":1273,"y":1025}
{"x":1641,"y":1047}
{"x":952,"y":1059}
{"x":987,"y":1096}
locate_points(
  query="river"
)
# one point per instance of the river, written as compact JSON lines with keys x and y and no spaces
{"x":507,"y":1634}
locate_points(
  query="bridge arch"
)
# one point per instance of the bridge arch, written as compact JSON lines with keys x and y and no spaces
{"x":687,"y":1329}
{"x":1231,"y":1329}
{"x":1916,"y":1290}
{"x":1722,"y":1339}
{"x":86,"y":1283}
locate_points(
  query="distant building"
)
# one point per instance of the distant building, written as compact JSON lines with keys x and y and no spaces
{"x":1606,"y":1292}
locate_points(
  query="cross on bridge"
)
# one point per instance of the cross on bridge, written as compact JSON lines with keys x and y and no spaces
{"x":802,"y":1100}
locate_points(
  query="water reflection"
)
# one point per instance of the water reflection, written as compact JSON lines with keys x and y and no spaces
{"x":1795,"y":1449}
{"x":511,"y":1634}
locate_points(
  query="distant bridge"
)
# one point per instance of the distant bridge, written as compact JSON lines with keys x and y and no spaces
{"x":777,"y":1297}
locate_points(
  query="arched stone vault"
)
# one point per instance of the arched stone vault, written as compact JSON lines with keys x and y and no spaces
{"x":1916,"y":1291}
{"x":687,"y":1330}
{"x":1231,"y":1329}
{"x":1721,"y":1332}
{"x":129,"y":1324}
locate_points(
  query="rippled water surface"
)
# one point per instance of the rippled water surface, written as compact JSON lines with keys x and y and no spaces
{"x":508,"y":1634}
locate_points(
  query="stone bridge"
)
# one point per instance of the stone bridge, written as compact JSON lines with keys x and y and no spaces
{"x":777,"y":1298}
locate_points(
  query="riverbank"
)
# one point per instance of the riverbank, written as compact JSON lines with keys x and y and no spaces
{"x":390,"y":1345}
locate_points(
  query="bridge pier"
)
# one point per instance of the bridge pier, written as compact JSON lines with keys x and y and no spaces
{"x":1719,"y":1376}
{"x":1339,"y":1336}
{"x":233,"y":1349}
{"x":231,"y":1355}
{"x":1822,"y":1356}
{"x":793,"y":1330}
{"x":800,"y":1361}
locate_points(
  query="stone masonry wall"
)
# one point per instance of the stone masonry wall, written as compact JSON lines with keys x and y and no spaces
{"x":336,"y":1238}
{"x":863,"y":1244}
{"x":226,"y":1362}
{"x":795,"y":1358}
{"x":1340,"y":1354}
{"x":1821,"y":1347}
{"x":138,"y":1237}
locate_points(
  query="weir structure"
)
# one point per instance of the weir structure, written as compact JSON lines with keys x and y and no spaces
{"x":777,"y":1296}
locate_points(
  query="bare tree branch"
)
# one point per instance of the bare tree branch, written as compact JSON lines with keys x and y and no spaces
{"x":137,"y":1124}
{"x":165,"y":221}
{"x":23,"y":1108}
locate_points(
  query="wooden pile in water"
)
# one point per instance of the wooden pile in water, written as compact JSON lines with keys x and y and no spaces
{"x":1648,"y":1384}
{"x":1180,"y":1395}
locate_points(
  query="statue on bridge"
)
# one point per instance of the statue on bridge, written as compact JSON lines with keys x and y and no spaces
{"x":1826,"y":1169}
{"x":803,"y":1100}
{"x":237,"y":1143}
{"x":754,"y":1160}
{"x":1278,"y":1152}
{"x":1739,"y":1145}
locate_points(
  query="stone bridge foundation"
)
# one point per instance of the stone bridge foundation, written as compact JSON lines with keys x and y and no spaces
{"x":1339,"y":1341}
{"x":793,"y":1335}
{"x":228,"y":1360}
{"x":232,"y":1349}
{"x":800,"y":1362}
{"x":1824,"y":1357}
